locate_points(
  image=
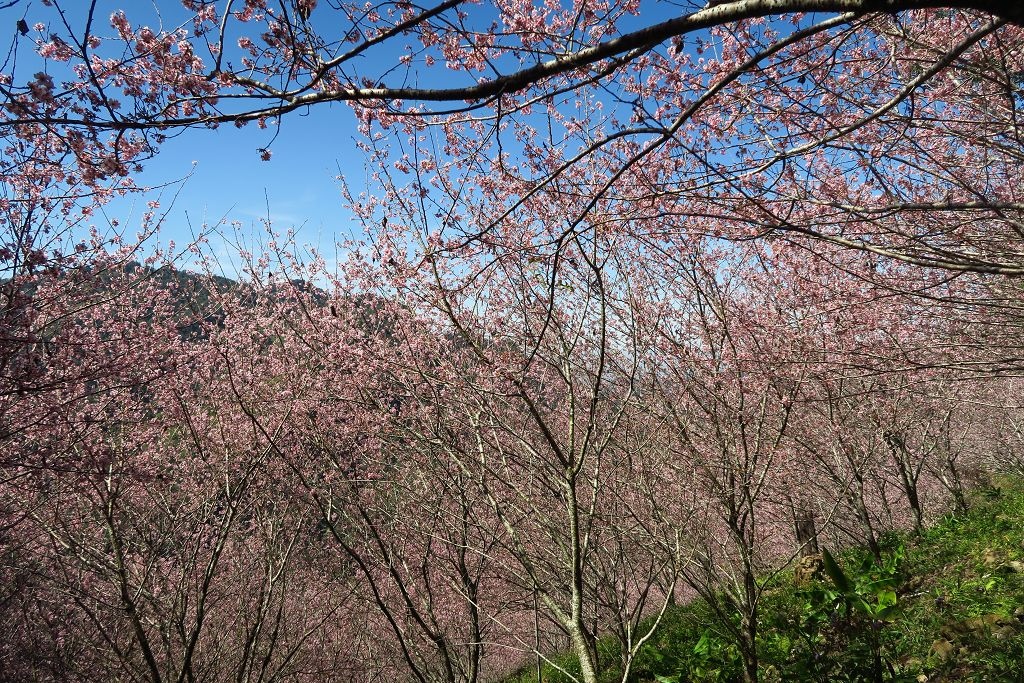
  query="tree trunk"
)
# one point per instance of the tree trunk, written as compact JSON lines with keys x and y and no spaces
{"x":582,"y":646}
{"x":748,"y":645}
{"x":806,"y":530}
{"x":865,"y":520}
{"x":955,"y":486}
{"x":901,"y":455}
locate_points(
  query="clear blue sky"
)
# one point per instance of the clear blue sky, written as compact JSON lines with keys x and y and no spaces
{"x":220,"y":171}
{"x":222,"y":176}
{"x":297,"y":188}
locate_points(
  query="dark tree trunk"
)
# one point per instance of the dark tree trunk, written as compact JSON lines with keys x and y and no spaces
{"x":806,"y":530}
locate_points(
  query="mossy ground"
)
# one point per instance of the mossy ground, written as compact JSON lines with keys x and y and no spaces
{"x":957,"y":613}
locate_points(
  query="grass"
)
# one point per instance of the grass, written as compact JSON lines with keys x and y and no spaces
{"x":947,"y":606}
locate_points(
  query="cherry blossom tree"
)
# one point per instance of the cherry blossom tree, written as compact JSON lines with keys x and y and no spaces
{"x":888,"y":127}
{"x":651,"y":298}
{"x":157,"y":533}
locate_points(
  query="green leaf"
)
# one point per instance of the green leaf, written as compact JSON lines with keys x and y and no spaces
{"x":886,"y":613}
{"x":703,"y":645}
{"x":862,"y":605}
{"x":834,"y":572}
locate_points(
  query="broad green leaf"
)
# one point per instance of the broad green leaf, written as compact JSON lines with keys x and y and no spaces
{"x":834,"y":572}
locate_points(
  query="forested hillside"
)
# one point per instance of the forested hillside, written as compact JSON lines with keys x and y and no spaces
{"x":649,"y":304}
{"x":307,"y":485}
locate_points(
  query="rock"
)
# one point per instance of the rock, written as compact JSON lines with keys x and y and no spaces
{"x":1015,"y":566}
{"x":912,"y":585}
{"x":908,"y":665}
{"x":1018,"y":614}
{"x":943,"y":649}
{"x":989,"y":557}
{"x":985,"y":624}
{"x":809,"y":568}
{"x":922,"y":678}
{"x":999,"y":626}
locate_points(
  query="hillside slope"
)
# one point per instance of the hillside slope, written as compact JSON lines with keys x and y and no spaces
{"x":948,"y":606}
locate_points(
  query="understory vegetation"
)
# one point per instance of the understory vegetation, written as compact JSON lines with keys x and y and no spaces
{"x":945,"y":605}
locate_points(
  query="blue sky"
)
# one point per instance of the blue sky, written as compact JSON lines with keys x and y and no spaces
{"x":222,"y":177}
{"x":216,"y":176}
{"x":206,"y":176}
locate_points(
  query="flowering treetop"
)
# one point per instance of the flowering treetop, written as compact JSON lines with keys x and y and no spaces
{"x":886,"y":126}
